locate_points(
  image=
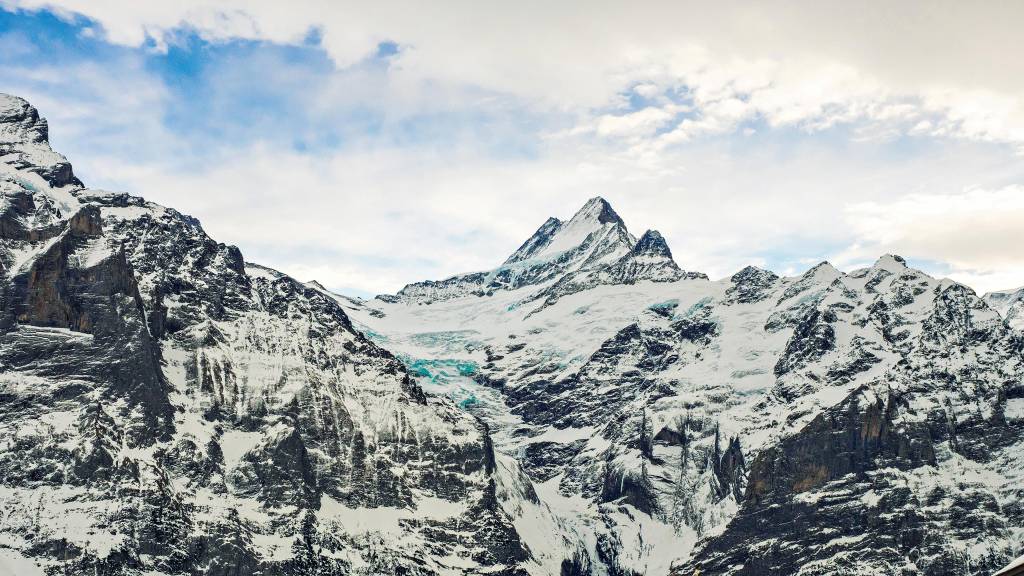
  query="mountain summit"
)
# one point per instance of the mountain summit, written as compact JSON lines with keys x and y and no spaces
{"x":25,"y":142}
{"x":598,"y":208}
{"x":595,"y":227}
{"x":593,"y":247}
{"x":653,"y":244}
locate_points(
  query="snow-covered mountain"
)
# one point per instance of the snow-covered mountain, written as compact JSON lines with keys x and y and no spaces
{"x":593,"y":247}
{"x":871,"y":421}
{"x":587,"y":407}
{"x":168,"y":408}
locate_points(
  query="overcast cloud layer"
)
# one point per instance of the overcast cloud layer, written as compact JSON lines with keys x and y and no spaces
{"x":372,"y":144}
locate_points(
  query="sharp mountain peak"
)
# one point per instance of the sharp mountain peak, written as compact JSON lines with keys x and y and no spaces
{"x":600,"y":210}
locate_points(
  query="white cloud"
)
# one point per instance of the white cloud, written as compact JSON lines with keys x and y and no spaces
{"x":374,"y":215}
{"x":643,"y":122}
{"x":977,"y":233}
{"x":797,"y":63}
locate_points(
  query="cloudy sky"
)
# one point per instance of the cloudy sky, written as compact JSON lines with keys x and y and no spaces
{"x":368,"y":145}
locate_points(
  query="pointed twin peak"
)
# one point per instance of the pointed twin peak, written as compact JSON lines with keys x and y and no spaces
{"x":596,"y":238}
{"x":556,"y":237}
{"x":608,"y":250}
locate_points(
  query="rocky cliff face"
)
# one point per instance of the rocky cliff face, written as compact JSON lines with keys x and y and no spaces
{"x":168,"y":408}
{"x":913,"y":472}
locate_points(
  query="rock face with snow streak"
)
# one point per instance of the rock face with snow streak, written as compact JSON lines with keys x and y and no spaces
{"x":913,"y":472}
{"x":168,"y":408}
{"x":871,"y":421}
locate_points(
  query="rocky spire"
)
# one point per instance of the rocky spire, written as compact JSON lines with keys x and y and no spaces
{"x":20,"y":122}
{"x":25,"y":145}
{"x":649,"y":259}
{"x":652,"y":243}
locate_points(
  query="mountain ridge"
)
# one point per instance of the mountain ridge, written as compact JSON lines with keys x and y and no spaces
{"x":599,"y":388}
